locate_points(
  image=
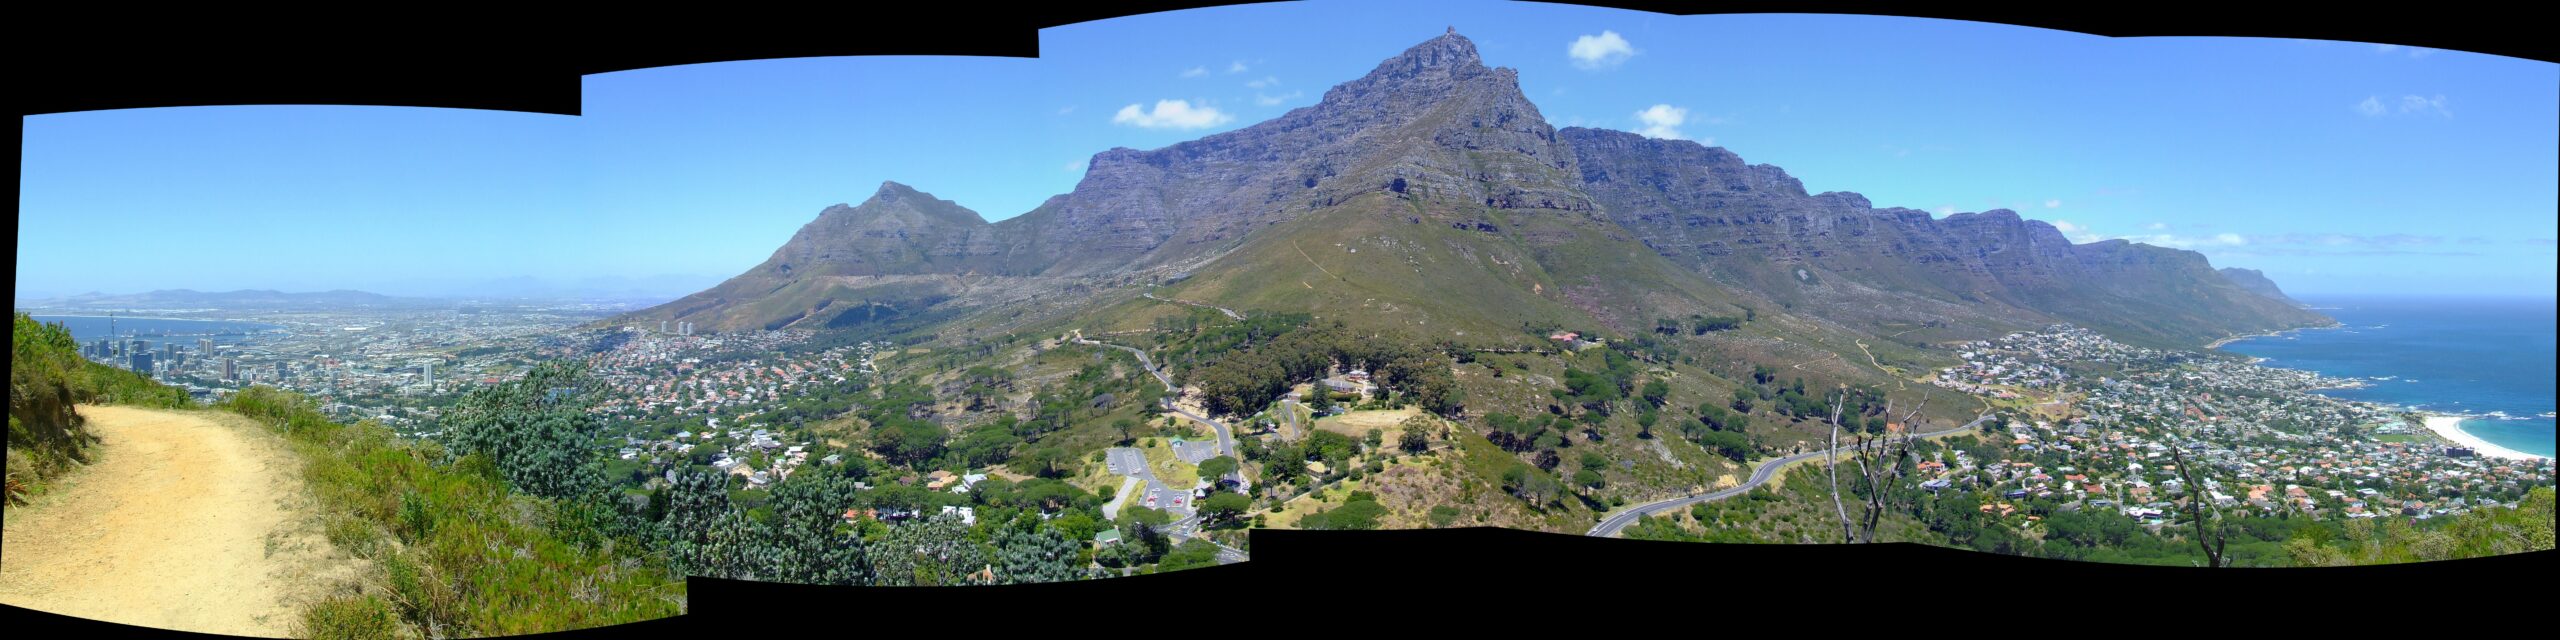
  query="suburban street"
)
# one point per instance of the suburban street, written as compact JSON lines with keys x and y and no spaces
{"x":1611,"y":526}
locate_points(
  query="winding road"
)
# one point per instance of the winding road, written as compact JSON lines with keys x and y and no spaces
{"x":1759,"y":476}
{"x":1226,"y":440}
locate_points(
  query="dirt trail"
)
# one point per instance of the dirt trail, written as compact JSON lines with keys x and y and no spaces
{"x":188,"y":520}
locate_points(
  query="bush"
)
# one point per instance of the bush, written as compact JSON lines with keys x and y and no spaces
{"x":477,"y":558}
{"x":349,"y":616}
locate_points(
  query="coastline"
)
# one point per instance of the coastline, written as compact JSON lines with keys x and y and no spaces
{"x":2449,"y":427}
{"x":2217,"y":344}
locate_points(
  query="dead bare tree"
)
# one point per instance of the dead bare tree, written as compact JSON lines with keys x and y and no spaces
{"x":1889,"y":455}
{"x":2211,"y":543}
{"x":1831,"y":457}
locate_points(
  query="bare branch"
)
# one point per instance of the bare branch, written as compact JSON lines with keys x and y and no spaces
{"x":1832,"y":456}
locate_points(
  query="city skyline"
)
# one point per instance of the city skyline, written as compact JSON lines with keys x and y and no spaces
{"x":2336,"y":167}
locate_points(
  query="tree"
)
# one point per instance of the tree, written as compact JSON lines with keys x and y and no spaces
{"x":1217,"y":467}
{"x":696,"y":503}
{"x":1589,"y":478}
{"x":1138,"y":530}
{"x":934,"y":551}
{"x":807,"y":541}
{"x":2212,"y":542}
{"x":1656,"y":392}
{"x":1044,"y":555}
{"x":534,"y":430}
{"x":1192,"y":554}
{"x":1223,"y":508}
{"x":1414,"y":440}
{"x":1356,"y":515}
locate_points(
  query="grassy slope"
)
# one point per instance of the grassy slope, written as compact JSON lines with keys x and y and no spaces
{"x":459,"y":553}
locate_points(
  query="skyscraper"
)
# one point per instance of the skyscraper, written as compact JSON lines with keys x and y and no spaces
{"x":283,"y":370}
{"x":231,"y":368}
{"x":429,"y":367}
{"x":141,"y":363}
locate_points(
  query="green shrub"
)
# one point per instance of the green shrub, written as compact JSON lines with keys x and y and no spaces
{"x":349,"y":616}
{"x":471,"y":557}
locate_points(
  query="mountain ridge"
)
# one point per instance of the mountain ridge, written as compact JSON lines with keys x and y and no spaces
{"x":1462,"y":146}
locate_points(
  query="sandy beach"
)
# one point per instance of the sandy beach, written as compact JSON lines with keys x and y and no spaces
{"x":2450,"y":427}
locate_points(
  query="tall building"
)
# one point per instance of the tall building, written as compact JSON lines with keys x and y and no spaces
{"x":429,"y":367}
{"x":662,"y":326}
{"x":231,"y":368}
{"x":204,"y":347}
{"x":141,"y":363}
{"x":283,"y":370}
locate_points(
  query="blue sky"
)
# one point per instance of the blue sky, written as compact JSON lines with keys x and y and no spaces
{"x":2337,"y":167}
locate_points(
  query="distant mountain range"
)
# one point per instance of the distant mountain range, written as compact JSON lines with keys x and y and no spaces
{"x":2255,"y":281}
{"x":241,"y":299}
{"x":1433,"y":186}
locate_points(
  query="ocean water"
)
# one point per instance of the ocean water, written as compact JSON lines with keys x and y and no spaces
{"x":87,"y":328}
{"x":2489,"y":359}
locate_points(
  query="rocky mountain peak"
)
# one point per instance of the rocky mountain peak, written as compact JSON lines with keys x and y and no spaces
{"x":1436,"y":67}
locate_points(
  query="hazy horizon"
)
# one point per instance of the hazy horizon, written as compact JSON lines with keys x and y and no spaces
{"x":2331,"y":166}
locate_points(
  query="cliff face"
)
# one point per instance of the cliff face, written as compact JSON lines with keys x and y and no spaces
{"x":2255,"y":281}
{"x":1459,"y":146}
{"x":1705,"y":207}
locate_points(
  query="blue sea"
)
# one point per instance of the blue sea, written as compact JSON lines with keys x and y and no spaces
{"x":87,"y":328}
{"x":2486,"y":358}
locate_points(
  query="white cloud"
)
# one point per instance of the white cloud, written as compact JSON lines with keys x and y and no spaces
{"x":2385,"y":48}
{"x":1600,"y":51}
{"x":1237,"y":67}
{"x":1662,"y":121}
{"x":1266,"y":81}
{"x":1946,"y":210}
{"x":1171,"y":114}
{"x":2156,"y":226}
{"x":1274,"y":101}
{"x":2371,"y":107}
{"x":2413,"y":104}
{"x":2065,"y":226}
{"x":1195,"y":72}
{"x":1066,"y":109}
{"x":1076,"y":166}
{"x":2188,"y":242}
{"x":2375,"y":107}
{"x":2053,"y":204}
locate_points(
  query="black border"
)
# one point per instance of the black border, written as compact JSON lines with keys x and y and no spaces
{"x":141,"y":58}
{"x":1300,"y":582}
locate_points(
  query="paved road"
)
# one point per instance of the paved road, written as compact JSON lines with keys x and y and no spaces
{"x":1289,"y":408}
{"x":1759,"y":476}
{"x":1156,"y":495}
{"x":1226,"y":439}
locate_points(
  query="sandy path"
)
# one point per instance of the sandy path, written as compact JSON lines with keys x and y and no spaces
{"x":186,"y":521}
